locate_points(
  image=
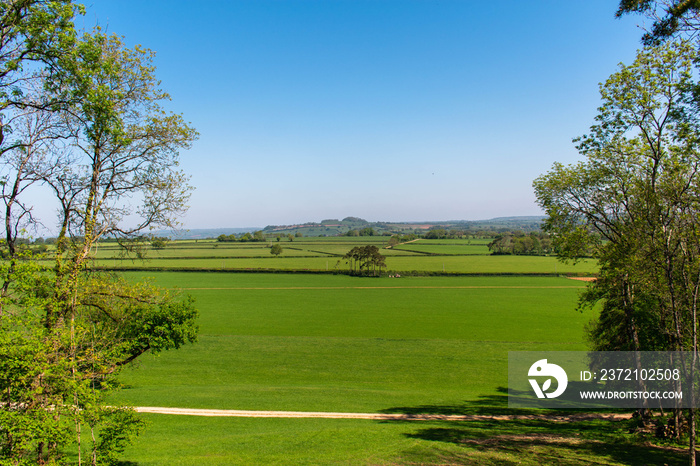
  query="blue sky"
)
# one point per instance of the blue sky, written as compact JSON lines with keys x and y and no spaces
{"x":386,"y":110}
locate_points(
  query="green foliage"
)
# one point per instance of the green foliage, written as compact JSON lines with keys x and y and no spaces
{"x":634,"y":201}
{"x":159,"y":242}
{"x":276,"y":249}
{"x":365,"y":260}
{"x":120,"y":426}
{"x":533,"y":244}
{"x":226,"y":238}
{"x":66,"y":332}
{"x":670,"y":17}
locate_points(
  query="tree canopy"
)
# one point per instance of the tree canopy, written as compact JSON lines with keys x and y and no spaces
{"x":82,"y":116}
{"x":365,"y":260}
{"x":670,"y":17}
{"x":634,"y":203}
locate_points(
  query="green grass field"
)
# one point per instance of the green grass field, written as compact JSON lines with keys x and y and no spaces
{"x":335,"y":343}
{"x":320,"y":343}
{"x":324,"y":254}
{"x":345,"y":344}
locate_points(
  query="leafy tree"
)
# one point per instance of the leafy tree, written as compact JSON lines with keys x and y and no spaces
{"x":276,"y":249}
{"x":159,"y":242}
{"x":90,"y":126}
{"x":435,"y":233}
{"x":670,"y":17}
{"x":365,"y":260}
{"x":521,"y":244}
{"x":35,"y":33}
{"x":635,"y":203}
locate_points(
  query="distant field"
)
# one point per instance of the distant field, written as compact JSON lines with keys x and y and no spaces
{"x":395,"y":263}
{"x":444,"y":248}
{"x":331,"y":342}
{"x":324,"y":254}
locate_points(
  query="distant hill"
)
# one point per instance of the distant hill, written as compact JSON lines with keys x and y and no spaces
{"x":335,"y":227}
{"x":202,"y":233}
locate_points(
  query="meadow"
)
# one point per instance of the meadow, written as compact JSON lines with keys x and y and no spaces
{"x":336,"y":343}
{"x":325,"y":255}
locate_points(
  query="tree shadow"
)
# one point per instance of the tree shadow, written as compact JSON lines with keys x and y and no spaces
{"x":496,"y":434}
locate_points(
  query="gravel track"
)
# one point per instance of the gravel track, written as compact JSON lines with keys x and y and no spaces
{"x":371,"y":416}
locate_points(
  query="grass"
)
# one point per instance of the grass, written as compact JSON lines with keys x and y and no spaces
{"x":337,"y":343}
{"x":181,"y":440}
{"x":444,"y":248}
{"x":322,"y":261}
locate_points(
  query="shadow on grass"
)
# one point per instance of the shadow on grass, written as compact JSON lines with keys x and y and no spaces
{"x":543,"y":437}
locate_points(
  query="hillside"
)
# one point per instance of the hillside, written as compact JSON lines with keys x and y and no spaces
{"x":333,"y":227}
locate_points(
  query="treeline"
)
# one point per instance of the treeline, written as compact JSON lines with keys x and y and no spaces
{"x":365,"y":260}
{"x":368,"y":231}
{"x":257,"y":236}
{"x":519,"y":243}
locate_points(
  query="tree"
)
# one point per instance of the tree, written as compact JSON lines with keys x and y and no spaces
{"x":276,"y":249}
{"x":670,"y":17}
{"x":34,"y":32}
{"x":159,"y":242}
{"x":365,"y":259}
{"x":436,"y":233}
{"x":103,"y":141}
{"x":635,"y":204}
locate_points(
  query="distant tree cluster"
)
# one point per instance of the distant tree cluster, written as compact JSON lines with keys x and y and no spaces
{"x":365,"y":260}
{"x":518,"y":243}
{"x":257,"y":236}
{"x":367,"y":231}
{"x":441,"y":233}
{"x":159,"y":242}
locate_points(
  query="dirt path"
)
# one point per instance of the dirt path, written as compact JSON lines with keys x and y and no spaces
{"x":372,"y":416}
{"x":584,"y":279}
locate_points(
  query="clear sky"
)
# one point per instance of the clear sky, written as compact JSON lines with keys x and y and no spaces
{"x":389,"y":110}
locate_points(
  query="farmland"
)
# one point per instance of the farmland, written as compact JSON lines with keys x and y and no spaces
{"x":334,"y":343}
{"x":325,"y":254}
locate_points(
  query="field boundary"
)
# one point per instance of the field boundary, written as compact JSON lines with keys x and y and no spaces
{"x":375,"y":416}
